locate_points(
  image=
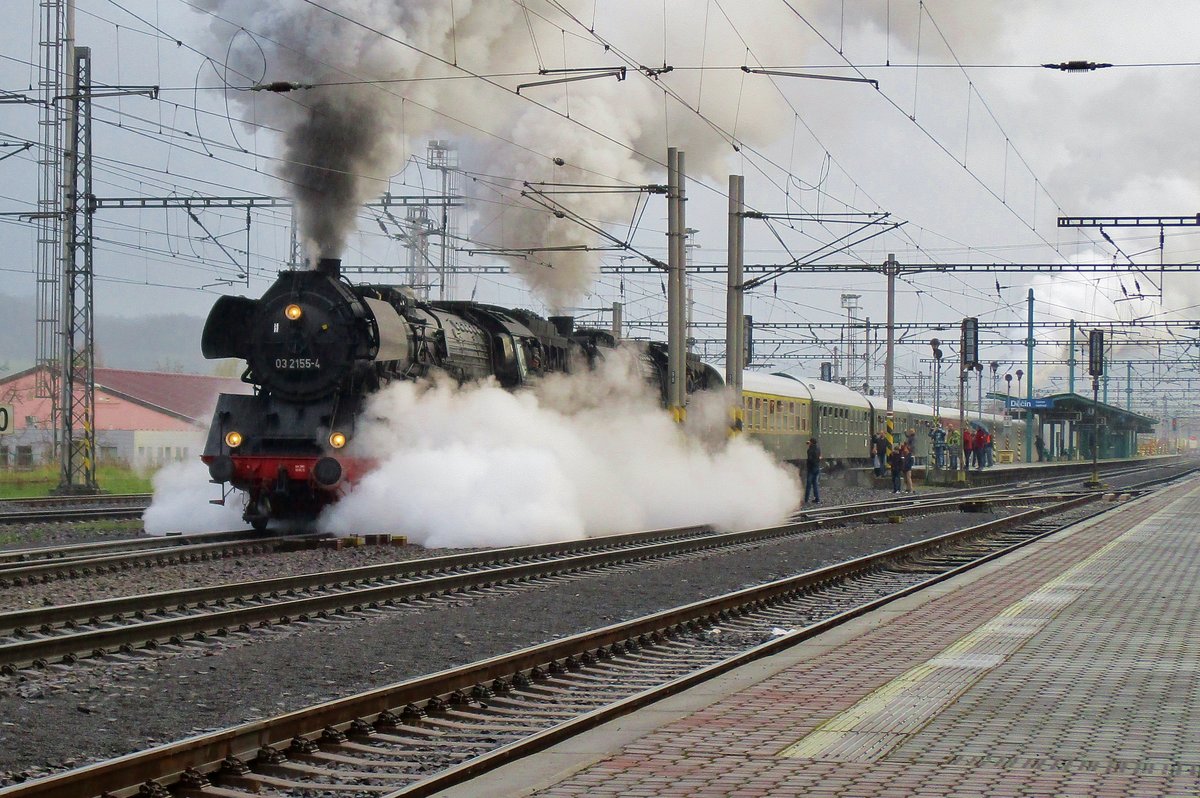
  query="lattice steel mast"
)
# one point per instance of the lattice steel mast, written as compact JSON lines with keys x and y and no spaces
{"x":54,"y":40}
{"x":78,"y":461}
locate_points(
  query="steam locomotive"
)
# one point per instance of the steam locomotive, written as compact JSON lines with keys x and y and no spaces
{"x":317,"y":346}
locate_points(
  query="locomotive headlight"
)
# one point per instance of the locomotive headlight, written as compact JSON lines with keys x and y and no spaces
{"x":293,"y":312}
{"x":337,"y":440}
{"x":233,"y":439}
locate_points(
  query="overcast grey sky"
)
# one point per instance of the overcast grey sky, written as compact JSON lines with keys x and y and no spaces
{"x":976,"y":149}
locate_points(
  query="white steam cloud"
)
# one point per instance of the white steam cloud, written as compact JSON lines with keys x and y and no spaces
{"x":181,"y":503}
{"x":577,"y":456}
{"x":380,"y":93}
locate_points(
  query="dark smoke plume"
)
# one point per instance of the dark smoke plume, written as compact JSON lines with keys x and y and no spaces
{"x":329,"y":160}
{"x":345,"y":139}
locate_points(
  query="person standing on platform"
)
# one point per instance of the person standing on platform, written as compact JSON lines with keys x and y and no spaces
{"x":968,"y":447}
{"x":938,"y":436}
{"x":907,"y":468}
{"x":812,"y":472}
{"x":1040,"y":446}
{"x":896,"y":464}
{"x":954,"y":444}
{"x":876,"y":452}
{"x":988,"y":451}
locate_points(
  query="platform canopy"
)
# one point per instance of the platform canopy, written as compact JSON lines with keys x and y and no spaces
{"x":1079,"y":409}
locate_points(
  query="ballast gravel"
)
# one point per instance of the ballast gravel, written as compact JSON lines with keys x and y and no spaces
{"x":73,"y":715}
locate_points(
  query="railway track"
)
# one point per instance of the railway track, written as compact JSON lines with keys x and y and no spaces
{"x":422,"y":735}
{"x":56,"y":509}
{"x":41,"y":636}
{"x":170,"y":550}
{"x":78,"y":553}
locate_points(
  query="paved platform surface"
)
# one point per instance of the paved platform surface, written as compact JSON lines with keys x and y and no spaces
{"x":1068,"y":669}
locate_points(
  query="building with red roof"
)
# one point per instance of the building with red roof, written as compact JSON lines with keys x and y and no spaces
{"x":143,"y":418}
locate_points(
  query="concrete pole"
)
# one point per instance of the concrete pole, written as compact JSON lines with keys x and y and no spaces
{"x":1029,"y":344}
{"x":675,"y":367}
{"x":733,"y":297}
{"x":1129,"y":385}
{"x":963,"y":465}
{"x":889,"y":366}
{"x":867,"y":357}
{"x":1071,"y":384}
{"x":979,"y":394}
{"x":680,"y":275}
{"x":617,"y":320}
{"x":691,"y":314}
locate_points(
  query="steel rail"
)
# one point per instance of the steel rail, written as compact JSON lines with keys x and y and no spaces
{"x":70,"y":514}
{"x":73,"y":508}
{"x":80,"y":552}
{"x":164,"y":764}
{"x":19,"y":573}
{"x":66,"y":501}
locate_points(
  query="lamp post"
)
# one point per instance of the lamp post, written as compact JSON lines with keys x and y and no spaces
{"x":939,"y":435}
{"x":995,"y":368}
{"x":935,"y":344}
{"x":1007,"y":408}
{"x":979,"y":391}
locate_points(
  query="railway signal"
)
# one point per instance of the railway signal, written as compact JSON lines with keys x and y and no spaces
{"x":1096,"y":369}
{"x":1096,"y":353}
{"x":970,"y":343}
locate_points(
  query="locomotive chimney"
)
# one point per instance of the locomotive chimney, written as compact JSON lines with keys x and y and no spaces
{"x":564,"y":325}
{"x":330,"y":267}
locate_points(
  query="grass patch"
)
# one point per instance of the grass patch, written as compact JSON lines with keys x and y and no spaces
{"x":42,"y":481}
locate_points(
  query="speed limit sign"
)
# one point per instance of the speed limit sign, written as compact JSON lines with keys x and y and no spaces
{"x":6,"y":419}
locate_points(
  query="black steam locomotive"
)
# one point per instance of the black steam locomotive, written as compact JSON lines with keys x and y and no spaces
{"x":315,"y":346}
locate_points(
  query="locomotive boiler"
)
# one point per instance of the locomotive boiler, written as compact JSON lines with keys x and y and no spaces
{"x":316,"y":347}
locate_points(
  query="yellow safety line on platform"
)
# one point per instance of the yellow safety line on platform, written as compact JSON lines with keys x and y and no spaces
{"x":908,"y":693}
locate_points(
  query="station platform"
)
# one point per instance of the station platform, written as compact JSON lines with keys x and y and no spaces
{"x":995,"y":473}
{"x":1001,"y":473}
{"x":1068,"y":668}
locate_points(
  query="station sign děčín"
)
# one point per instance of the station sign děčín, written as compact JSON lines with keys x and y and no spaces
{"x":1028,"y":404}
